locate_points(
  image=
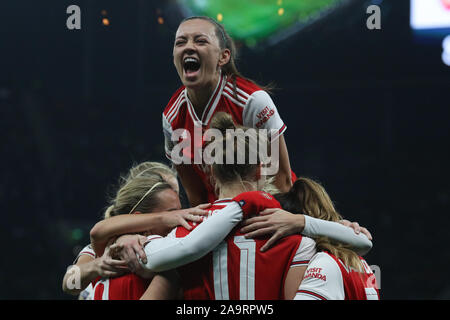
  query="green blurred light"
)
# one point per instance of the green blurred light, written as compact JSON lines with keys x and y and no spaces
{"x":77,"y":234}
{"x":256,"y":20}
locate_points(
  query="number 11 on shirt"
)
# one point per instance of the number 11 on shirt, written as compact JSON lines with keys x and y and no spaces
{"x":247,"y":248}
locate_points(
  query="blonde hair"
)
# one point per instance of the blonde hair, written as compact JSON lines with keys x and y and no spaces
{"x":149,"y":167}
{"x":138,"y":189}
{"x":309,"y":197}
{"x":225,"y":173}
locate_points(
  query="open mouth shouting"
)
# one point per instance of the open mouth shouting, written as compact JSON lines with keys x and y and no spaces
{"x":191,"y":67}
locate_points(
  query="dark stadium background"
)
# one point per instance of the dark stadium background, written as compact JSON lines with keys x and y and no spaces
{"x":367,"y":115}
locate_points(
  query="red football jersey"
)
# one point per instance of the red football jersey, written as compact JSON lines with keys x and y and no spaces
{"x":237,"y":269}
{"x":248,"y":105}
{"x":126,"y":287}
{"x":327,"y":278}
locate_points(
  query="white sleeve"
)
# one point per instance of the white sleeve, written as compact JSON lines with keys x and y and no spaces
{"x":169,"y":252}
{"x":86,"y":251}
{"x":168,"y":143}
{"x":306,"y":250}
{"x":337,"y":232}
{"x":261,"y":113}
{"x":322,"y":280}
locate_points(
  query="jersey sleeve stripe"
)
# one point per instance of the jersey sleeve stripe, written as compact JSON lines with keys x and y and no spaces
{"x":87,"y":253}
{"x":280,"y":132}
{"x":173,"y":106}
{"x":244,"y":94}
{"x":239,"y":96}
{"x":299,"y":263}
{"x":311,"y":293}
{"x":233,"y":100}
{"x":174,"y":112}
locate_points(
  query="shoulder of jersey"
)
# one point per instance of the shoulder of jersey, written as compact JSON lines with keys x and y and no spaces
{"x":174,"y":104}
{"x":246,"y":85}
{"x":252,"y":200}
{"x":244,"y":89}
{"x":255,"y":194}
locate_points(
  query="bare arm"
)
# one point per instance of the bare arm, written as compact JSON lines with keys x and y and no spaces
{"x":157,"y":223}
{"x":293,"y":279}
{"x":74,"y":286}
{"x":164,"y":286}
{"x":283,"y":180}
{"x":87,"y":268}
{"x":192,"y":184}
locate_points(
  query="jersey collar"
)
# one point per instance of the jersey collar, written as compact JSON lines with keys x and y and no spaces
{"x":210,"y":106}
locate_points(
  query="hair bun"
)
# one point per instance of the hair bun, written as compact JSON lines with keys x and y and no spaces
{"x":222,"y":121}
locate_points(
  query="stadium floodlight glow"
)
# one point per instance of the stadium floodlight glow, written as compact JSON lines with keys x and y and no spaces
{"x":430,"y":19}
{"x":253,"y":22}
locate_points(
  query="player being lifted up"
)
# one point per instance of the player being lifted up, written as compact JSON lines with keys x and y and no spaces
{"x":204,"y":57}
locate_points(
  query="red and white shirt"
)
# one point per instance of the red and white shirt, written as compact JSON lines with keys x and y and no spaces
{"x":248,"y":105}
{"x":236,"y":269}
{"x":327,"y":278}
{"x":86,"y":251}
{"x":126,"y":287}
{"x":88,"y":292}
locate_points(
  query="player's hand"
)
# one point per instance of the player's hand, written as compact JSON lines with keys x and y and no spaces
{"x":182,"y":217}
{"x":108,"y":267}
{"x":356,"y":227}
{"x":129,"y":248}
{"x":276,"y":223}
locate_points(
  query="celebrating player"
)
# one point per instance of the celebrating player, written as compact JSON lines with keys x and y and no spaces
{"x":134,"y":190}
{"x":236,"y":269}
{"x":335,"y":272}
{"x":204,"y":57}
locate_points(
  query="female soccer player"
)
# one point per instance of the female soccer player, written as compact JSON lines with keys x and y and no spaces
{"x":335,"y":272}
{"x":204,"y":57}
{"x":132,"y":187}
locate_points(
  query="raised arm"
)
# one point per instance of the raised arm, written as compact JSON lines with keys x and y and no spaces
{"x":283,"y":179}
{"x":192,"y":184}
{"x":155,"y":223}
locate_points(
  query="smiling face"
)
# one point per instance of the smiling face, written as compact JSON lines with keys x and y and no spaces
{"x":197,"y":54}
